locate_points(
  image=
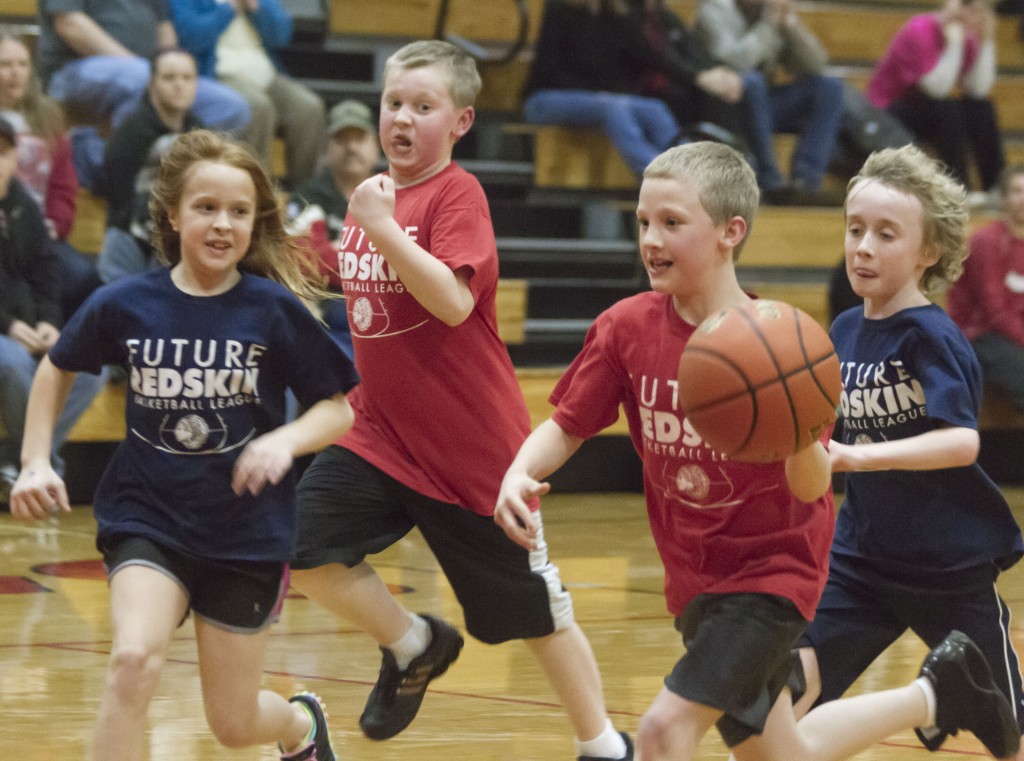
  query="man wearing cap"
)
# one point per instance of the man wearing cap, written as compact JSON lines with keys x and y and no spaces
{"x":30,"y":314}
{"x":318,"y":207}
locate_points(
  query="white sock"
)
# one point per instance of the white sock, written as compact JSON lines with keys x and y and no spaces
{"x":414,"y":642}
{"x":929,"y":698}
{"x":608,"y":744}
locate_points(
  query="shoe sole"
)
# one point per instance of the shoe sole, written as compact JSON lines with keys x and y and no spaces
{"x":994,"y":703}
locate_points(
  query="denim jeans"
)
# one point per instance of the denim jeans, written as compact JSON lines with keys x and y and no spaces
{"x":639,"y":127}
{"x":123,"y":254}
{"x":810,"y":106}
{"x":17,"y":368}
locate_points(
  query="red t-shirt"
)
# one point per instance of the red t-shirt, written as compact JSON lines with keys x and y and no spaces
{"x":439,"y":408}
{"x":720,"y":526}
{"x":989,"y":296}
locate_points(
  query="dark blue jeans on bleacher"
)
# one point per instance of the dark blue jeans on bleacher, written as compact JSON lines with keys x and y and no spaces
{"x":639,"y":127}
{"x":809,"y":106}
{"x":17,"y":368}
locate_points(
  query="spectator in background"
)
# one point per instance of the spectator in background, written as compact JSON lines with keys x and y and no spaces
{"x":132,"y":161}
{"x":988,"y":300}
{"x":236,"y":42}
{"x":698,"y":91}
{"x":93,"y":57}
{"x":584,"y":75}
{"x":761,"y":39}
{"x":45,"y":168}
{"x":318,"y":208}
{"x":930,"y":56}
{"x":30,"y":314}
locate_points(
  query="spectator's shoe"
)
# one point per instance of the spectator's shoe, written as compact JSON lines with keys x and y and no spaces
{"x":627,"y":757}
{"x":319,"y":749}
{"x":967,"y":698}
{"x":396,"y":697}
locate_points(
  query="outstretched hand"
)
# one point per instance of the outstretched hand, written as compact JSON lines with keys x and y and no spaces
{"x":38,"y":493}
{"x":513,"y":513}
{"x":264,"y":460}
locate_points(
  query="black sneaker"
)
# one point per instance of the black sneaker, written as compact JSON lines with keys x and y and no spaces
{"x":627,"y":757}
{"x":320,"y":747}
{"x":931,"y":737}
{"x":396,"y":697}
{"x":967,"y":697}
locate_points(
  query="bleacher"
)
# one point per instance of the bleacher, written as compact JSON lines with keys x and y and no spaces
{"x":562,"y":200}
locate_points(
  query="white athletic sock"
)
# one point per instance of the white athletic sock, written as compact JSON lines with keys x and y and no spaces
{"x":414,"y":642}
{"x":929,"y":697}
{"x":608,"y":744}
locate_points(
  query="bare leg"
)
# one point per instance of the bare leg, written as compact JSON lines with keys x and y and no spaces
{"x":836,"y":730}
{"x":146,"y":607}
{"x":239,"y":713}
{"x":357,"y":594}
{"x":672,"y":727}
{"x":568,"y":662}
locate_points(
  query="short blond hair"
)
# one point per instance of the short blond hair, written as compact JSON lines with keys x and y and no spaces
{"x":459,"y":66}
{"x":725,"y":182}
{"x":943,"y":203}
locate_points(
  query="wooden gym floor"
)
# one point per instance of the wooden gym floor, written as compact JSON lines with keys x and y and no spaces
{"x":492,"y":706}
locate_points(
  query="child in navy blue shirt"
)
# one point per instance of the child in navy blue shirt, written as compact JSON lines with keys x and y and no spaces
{"x":196,"y":511}
{"x":924,"y":533}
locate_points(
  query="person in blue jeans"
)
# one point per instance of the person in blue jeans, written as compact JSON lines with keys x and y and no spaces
{"x":584,"y":76}
{"x":94,"y":59}
{"x":760,"y":38}
{"x":30,"y":315}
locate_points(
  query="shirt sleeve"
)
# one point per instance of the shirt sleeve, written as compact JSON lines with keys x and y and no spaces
{"x":588,"y":396}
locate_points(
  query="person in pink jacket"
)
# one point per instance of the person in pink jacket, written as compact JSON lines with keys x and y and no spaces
{"x":930,"y":58}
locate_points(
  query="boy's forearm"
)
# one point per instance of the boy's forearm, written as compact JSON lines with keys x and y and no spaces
{"x":430,"y":281}
{"x":545,"y":450}
{"x":319,"y":426}
{"x":953,"y":447}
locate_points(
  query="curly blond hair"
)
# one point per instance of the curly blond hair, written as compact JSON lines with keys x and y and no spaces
{"x":943,"y":203}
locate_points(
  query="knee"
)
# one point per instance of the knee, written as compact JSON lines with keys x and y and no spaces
{"x":133,"y":673}
{"x":232,"y":729}
{"x":653,"y":735}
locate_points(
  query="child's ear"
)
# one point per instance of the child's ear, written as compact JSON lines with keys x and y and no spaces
{"x":733,"y":232}
{"x":931,"y":255}
{"x":172,"y":218}
{"x":464,"y":122}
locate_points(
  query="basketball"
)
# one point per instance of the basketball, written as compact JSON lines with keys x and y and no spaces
{"x":760,"y":381}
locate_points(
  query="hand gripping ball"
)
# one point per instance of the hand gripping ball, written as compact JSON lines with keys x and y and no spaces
{"x":760,"y":381}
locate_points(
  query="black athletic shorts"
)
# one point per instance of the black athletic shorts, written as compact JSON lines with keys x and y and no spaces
{"x":737,"y":657}
{"x":348,"y":509}
{"x":237,"y":595}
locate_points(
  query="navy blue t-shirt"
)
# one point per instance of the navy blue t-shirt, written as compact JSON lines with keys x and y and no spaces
{"x":903,"y":376}
{"x":207,"y":375}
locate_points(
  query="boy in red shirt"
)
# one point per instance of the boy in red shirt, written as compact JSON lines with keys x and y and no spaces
{"x":438,"y":419}
{"x":745,"y":546}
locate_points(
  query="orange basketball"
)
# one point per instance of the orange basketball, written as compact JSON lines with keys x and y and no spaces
{"x":760,"y":381}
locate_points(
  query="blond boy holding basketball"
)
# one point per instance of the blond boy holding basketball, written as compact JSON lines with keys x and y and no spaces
{"x":744,"y":545}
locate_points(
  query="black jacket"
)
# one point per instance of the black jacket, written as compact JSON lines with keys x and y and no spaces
{"x":29,"y":269}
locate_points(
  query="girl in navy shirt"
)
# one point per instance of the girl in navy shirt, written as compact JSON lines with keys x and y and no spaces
{"x":196,"y":510}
